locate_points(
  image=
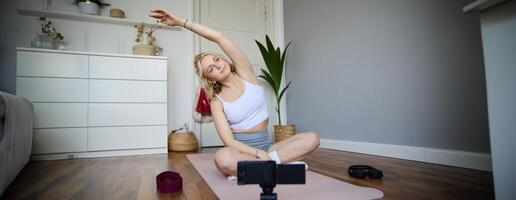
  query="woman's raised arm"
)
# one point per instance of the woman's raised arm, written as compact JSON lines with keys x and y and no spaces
{"x":239,"y":59}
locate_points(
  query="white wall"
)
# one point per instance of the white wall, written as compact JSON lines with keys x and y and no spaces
{"x":18,"y":31}
{"x":499,"y":39}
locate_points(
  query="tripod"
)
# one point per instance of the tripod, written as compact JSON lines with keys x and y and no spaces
{"x":268,"y":192}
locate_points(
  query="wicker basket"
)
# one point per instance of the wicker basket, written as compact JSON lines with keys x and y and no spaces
{"x":282,"y":132}
{"x":143,"y":49}
{"x":182,"y":141}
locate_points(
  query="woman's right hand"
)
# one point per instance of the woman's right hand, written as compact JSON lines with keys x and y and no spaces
{"x":166,"y":18}
{"x":263,"y":155}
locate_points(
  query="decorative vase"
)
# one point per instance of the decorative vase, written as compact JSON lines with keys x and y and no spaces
{"x":45,"y":42}
{"x":182,"y":141}
{"x":37,"y":42}
{"x":58,"y":44}
{"x":282,"y":132}
{"x":89,"y":8}
{"x":143,"y":49}
{"x":158,"y":51}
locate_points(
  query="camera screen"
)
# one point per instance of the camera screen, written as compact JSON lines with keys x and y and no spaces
{"x":256,"y":172}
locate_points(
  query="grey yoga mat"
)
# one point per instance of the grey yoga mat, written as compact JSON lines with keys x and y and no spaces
{"x":317,"y":186}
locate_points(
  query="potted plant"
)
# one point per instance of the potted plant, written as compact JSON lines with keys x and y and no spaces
{"x":140,"y":48}
{"x":48,"y":38}
{"x":274,"y":60}
{"x":90,"y":7}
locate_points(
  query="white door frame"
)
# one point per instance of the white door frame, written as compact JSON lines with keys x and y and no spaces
{"x":274,"y":28}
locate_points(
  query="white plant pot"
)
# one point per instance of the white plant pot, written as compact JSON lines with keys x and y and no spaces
{"x":89,"y":8}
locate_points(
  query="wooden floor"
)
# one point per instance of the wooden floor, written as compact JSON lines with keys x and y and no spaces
{"x":133,"y":177}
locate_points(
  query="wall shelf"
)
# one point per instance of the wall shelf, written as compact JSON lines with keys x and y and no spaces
{"x":88,"y":18}
{"x":480,"y":5}
{"x":41,"y":50}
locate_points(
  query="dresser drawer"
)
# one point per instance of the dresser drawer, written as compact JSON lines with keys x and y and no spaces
{"x":43,"y":64}
{"x":60,"y":115}
{"x":127,"y":91}
{"x":61,"y":140}
{"x":127,"y":114}
{"x":106,"y":67}
{"x":52,"y":89}
{"x":111,"y":138}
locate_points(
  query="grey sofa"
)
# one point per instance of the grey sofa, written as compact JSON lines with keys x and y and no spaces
{"x":16,"y":129}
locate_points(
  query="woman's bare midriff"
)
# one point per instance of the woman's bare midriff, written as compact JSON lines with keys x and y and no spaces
{"x":260,"y":127}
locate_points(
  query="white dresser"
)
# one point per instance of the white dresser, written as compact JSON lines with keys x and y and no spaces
{"x":94,"y":104}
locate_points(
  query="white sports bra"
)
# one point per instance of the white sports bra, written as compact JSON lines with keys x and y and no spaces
{"x":248,"y":110}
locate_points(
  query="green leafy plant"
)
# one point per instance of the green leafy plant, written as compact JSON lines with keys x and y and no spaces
{"x":274,"y":60}
{"x":98,"y":2}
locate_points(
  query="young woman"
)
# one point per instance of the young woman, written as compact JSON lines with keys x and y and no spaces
{"x":238,"y":103}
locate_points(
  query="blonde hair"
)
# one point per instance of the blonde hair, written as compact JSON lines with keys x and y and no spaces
{"x":208,"y":85}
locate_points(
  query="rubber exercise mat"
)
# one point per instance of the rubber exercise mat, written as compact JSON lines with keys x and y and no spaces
{"x":317,"y":186}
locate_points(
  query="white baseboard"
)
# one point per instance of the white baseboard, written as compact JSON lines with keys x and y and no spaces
{"x":472,"y":160}
{"x":98,"y":154}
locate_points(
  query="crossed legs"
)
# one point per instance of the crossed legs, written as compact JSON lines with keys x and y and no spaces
{"x":289,"y":150}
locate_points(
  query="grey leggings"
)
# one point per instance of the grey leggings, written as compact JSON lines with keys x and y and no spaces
{"x":259,"y":139}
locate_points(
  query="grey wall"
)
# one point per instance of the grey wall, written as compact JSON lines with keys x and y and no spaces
{"x":7,"y":49}
{"x":499,"y":39}
{"x":2,"y":10}
{"x":406,"y":72}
